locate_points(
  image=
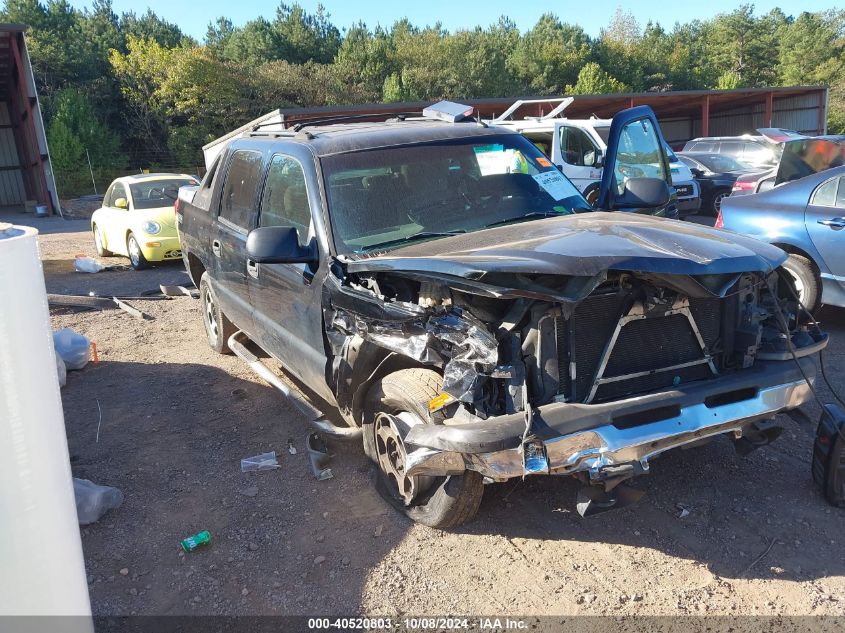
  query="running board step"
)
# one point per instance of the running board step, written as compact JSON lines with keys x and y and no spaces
{"x":237,"y":343}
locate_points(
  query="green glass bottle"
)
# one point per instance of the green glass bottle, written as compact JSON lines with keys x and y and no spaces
{"x":193,"y":542}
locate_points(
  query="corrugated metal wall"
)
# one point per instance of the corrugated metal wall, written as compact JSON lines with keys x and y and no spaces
{"x":799,"y":113}
{"x":12,"y":191}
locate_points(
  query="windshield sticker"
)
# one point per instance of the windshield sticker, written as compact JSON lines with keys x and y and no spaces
{"x":481,"y":149}
{"x":555,"y":184}
{"x":542,"y":161}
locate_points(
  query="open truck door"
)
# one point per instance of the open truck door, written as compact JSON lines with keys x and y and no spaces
{"x":636,"y":175}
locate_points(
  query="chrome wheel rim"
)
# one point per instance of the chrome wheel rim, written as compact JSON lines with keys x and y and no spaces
{"x":392,"y":455}
{"x":797,"y":282}
{"x":210,"y":316}
{"x":134,"y":251}
{"x":717,"y":202}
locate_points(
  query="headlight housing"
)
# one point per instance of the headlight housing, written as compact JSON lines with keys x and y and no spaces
{"x":152,"y":228}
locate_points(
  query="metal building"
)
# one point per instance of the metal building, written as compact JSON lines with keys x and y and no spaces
{"x":26,"y":174}
{"x":683,"y":114}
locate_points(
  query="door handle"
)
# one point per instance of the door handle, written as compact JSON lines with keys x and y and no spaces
{"x":252,"y":269}
{"x":834,"y":223}
{"x":215,"y":247}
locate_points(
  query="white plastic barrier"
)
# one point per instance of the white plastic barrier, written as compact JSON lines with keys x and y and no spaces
{"x":41,"y":565}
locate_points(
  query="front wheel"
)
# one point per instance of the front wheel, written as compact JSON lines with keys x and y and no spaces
{"x":394,"y":404}
{"x":806,"y":281}
{"x":136,"y":256}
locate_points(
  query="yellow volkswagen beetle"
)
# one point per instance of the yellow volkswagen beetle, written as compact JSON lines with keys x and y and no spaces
{"x":137,"y":218}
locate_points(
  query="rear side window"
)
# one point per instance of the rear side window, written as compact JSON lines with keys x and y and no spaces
{"x":840,"y":196}
{"x":237,"y":204}
{"x":825,"y":194}
{"x":284,"y":201}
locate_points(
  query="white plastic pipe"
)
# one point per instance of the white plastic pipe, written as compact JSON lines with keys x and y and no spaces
{"x":41,"y":565}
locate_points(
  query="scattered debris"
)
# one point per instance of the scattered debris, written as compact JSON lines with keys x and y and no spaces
{"x":85,"y":264}
{"x":238,"y":393}
{"x":178,"y":291}
{"x":93,"y":501}
{"x":265,"y":461}
{"x":318,"y":456}
{"x":79,"y":301}
{"x":99,"y":421}
{"x":377,"y":532}
{"x":291,"y":447}
{"x":193,"y":542}
{"x":74,"y":348}
{"x":319,"y":560}
{"x":683,"y":510}
{"x":135,"y":312}
{"x":95,"y":357}
{"x":124,"y":571}
{"x":759,"y":558}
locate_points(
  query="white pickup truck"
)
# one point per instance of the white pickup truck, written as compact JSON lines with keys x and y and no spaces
{"x":578,"y":147}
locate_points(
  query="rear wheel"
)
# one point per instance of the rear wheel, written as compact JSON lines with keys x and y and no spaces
{"x":136,"y":257}
{"x":98,"y":243}
{"x":806,"y":280}
{"x":716,"y":200}
{"x":218,"y":328}
{"x":395,"y":404}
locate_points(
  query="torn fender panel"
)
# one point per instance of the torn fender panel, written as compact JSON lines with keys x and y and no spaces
{"x":582,"y":245}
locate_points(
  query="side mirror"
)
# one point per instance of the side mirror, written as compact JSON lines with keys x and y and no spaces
{"x":121,"y":203}
{"x":643,"y":193}
{"x":697,"y":173}
{"x":599,"y":160}
{"x":278,"y":245}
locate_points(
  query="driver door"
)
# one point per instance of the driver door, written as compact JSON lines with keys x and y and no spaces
{"x":117,"y":220}
{"x":635,"y":153}
{"x":825,"y":219}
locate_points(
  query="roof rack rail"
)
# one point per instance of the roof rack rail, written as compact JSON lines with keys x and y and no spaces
{"x":296,"y":127}
{"x":516,"y":105}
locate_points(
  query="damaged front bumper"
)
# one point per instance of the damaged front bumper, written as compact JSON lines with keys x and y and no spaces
{"x":612,"y":439}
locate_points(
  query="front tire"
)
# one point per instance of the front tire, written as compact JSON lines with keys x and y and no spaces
{"x":438,"y":502}
{"x":136,"y":256}
{"x":218,"y":328}
{"x":806,"y":280}
{"x":98,"y":243}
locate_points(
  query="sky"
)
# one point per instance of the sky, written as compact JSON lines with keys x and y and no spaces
{"x":193,"y":17}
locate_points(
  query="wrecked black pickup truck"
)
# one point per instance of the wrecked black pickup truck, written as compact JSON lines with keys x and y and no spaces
{"x":469,"y":315}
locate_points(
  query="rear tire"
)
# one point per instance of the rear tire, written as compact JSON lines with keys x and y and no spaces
{"x":715,"y":204}
{"x":136,"y":256}
{"x":218,"y":328}
{"x":441,"y":502}
{"x":806,"y":279}
{"x":98,"y":243}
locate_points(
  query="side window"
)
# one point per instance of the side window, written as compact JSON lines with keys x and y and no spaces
{"x":840,"y":195}
{"x":703,"y":146}
{"x":731,"y":148}
{"x":284,"y":201}
{"x":639,"y":154}
{"x":108,"y":197}
{"x":825,"y":194}
{"x":576,"y":147}
{"x":202,"y":198}
{"x":237,"y":204}
{"x":119,"y":191}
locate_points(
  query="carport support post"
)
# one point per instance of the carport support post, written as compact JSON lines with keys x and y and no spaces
{"x":767,"y":115}
{"x":705,"y":116}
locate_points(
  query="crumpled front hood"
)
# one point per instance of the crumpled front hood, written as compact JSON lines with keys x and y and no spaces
{"x":582,"y":245}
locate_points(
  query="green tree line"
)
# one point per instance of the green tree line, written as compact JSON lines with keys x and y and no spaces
{"x":133,"y":91}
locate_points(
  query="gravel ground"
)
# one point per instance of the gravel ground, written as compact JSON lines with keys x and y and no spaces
{"x":177,"y":418}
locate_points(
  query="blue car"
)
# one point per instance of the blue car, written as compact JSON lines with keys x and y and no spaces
{"x":806,"y":218}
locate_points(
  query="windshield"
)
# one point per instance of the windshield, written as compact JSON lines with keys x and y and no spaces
{"x":720,"y":163}
{"x":388,"y":197}
{"x":151,"y":194}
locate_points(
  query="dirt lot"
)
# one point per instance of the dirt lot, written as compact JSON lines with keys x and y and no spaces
{"x":177,"y":419}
